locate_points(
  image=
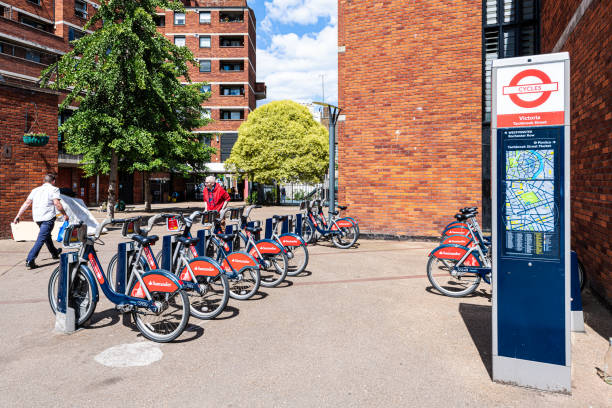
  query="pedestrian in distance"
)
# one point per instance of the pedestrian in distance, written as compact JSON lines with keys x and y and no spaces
{"x":215,"y":196}
{"x":45,"y":202}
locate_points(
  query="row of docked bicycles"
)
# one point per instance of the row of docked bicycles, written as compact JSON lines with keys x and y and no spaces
{"x":191,"y":275}
{"x":463,"y":259}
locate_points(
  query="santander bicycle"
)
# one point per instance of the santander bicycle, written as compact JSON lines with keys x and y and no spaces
{"x":342,"y":231}
{"x":156,"y":299}
{"x":202,"y":278}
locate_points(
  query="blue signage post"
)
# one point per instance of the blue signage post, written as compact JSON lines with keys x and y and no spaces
{"x":531,"y":224}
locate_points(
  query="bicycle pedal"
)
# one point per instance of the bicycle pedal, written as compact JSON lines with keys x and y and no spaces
{"x":124,"y":308}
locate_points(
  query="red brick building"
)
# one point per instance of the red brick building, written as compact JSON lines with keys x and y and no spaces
{"x":584,"y":29}
{"x":410,"y":85}
{"x":35,"y":33}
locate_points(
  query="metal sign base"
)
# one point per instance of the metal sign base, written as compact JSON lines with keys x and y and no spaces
{"x":532,"y":374}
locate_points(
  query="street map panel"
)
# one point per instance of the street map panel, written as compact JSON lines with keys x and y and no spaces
{"x":530,"y":190}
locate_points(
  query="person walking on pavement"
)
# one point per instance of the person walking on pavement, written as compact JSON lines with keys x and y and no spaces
{"x":215,"y":197}
{"x":45,"y":201}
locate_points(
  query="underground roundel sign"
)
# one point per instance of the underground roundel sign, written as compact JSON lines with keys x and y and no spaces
{"x":531,"y":95}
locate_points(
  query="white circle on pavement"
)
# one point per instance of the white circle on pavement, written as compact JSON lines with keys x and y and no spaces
{"x":130,"y":355}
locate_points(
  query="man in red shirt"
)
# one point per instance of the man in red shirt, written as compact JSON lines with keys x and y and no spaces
{"x":215,"y":197}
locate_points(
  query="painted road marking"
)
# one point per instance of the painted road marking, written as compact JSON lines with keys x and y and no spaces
{"x":130,"y":355}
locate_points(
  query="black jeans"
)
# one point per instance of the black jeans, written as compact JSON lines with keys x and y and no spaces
{"x":44,"y":237}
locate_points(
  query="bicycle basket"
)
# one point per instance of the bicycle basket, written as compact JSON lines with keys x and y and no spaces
{"x":173,"y":224}
{"x":74,"y":235}
{"x":131,"y":227}
{"x":208,"y":217}
{"x":236,"y":213}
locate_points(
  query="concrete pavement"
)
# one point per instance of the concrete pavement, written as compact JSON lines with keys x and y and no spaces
{"x":361,"y":327}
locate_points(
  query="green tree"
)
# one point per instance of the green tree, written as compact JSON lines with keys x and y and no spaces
{"x":280,"y":141}
{"x":126,"y":79}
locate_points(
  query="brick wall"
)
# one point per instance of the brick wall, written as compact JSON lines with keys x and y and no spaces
{"x":410,"y":85}
{"x":23,"y":167}
{"x":590,"y":49}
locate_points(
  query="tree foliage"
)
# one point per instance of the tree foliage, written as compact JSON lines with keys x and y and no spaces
{"x":125,"y":78}
{"x":280,"y":141}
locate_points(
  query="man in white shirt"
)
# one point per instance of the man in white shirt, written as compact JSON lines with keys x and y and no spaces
{"x":45,"y":200}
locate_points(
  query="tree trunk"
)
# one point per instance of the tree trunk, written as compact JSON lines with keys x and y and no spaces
{"x":147,"y":191}
{"x":112,"y":186}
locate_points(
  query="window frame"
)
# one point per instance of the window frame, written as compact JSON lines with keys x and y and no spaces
{"x":209,"y":65}
{"x":81,"y":13}
{"x":180,"y":37}
{"x":205,"y":37}
{"x":204,"y":13}
{"x":176,"y":14}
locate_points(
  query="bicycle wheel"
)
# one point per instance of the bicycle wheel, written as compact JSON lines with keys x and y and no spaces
{"x":213,"y":299}
{"x":581,"y":275}
{"x":298,"y":259}
{"x":81,"y":294}
{"x":347,"y":238}
{"x":308,"y":231}
{"x":167,"y":324}
{"x":246,"y":284}
{"x":439,"y":274}
{"x":276,"y":270}
{"x":110,"y":272}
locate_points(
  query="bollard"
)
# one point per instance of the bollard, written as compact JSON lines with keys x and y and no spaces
{"x":202,"y":240}
{"x":65,"y":315}
{"x":124,"y":251}
{"x":298,"y":224}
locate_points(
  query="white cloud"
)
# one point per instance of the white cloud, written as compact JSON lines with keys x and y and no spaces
{"x":291,"y":66}
{"x":302,"y":11}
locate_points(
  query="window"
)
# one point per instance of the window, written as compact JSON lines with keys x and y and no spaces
{"x":232,"y":65}
{"x":205,"y":88}
{"x":179,"y":18}
{"x":204,"y":65}
{"x":179,"y":40}
{"x":231,"y":17}
{"x":37,"y":2}
{"x":232,"y":90}
{"x":74,"y":34}
{"x":232,"y":114}
{"x":80,"y":9}
{"x":204,"y":42}
{"x":204,"y":17}
{"x":231,"y":41}
{"x":160,"y":20}
{"x":35,"y":23}
{"x":32,"y":55}
{"x":206,"y":114}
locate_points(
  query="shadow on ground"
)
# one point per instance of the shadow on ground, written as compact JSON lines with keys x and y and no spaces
{"x":477,"y":319}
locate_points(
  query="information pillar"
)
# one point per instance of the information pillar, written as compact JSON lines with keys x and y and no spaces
{"x":531,"y":224}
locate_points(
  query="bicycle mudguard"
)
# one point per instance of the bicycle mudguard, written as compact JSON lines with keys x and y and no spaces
{"x":158,"y":280}
{"x":456,"y":252}
{"x":238,"y":260}
{"x":266,"y":247}
{"x":92,"y":282}
{"x":342,"y":223}
{"x":201,"y":266}
{"x":290,"y":239}
{"x":353,"y":220}
{"x":457,"y":240}
{"x":456,"y":230}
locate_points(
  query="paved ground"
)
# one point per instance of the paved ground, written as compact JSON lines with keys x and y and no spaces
{"x":361,"y":327}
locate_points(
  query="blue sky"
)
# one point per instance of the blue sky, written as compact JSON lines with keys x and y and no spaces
{"x":296,"y":48}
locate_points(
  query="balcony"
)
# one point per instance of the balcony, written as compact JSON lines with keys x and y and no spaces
{"x":231,"y":17}
{"x":231,"y":42}
{"x":260,"y":90}
{"x":69,"y":160}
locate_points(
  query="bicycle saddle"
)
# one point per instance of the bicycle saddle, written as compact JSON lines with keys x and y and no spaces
{"x":254,"y":230}
{"x":144,"y":241}
{"x":280,"y":217}
{"x":187,"y":241}
{"x":227,"y":237}
{"x":334,"y":212}
{"x":342,"y":207}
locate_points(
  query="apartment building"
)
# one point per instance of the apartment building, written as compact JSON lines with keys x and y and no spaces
{"x":35,"y":33}
{"x":221,"y":36}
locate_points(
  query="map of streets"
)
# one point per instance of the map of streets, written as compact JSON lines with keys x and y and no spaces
{"x":530,"y":190}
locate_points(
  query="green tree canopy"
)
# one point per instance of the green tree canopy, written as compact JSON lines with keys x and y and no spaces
{"x":280,"y":141}
{"x":126,"y":79}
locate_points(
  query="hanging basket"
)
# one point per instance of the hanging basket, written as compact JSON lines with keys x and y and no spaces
{"x":35,"y":139}
{"x":31,"y":137}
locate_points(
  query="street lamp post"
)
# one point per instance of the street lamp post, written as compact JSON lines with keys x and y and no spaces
{"x":332,"y":113}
